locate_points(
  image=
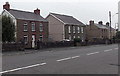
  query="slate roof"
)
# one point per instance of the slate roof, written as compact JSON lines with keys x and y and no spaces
{"x":18,"y":14}
{"x":109,"y":27}
{"x":68,"y":19}
{"x":101,"y":26}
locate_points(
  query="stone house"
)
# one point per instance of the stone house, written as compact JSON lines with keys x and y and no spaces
{"x":99,"y":31}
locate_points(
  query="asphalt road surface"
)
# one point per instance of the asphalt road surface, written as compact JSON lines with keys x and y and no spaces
{"x":99,"y":59}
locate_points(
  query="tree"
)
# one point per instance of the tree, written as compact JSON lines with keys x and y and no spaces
{"x":8,"y":29}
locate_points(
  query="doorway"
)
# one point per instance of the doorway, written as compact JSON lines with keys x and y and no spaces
{"x":33,"y":41}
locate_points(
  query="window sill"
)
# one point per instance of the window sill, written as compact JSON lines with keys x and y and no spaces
{"x":33,"y":30}
{"x":25,"y":31}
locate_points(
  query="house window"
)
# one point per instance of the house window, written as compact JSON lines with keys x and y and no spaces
{"x":69,"y":37}
{"x":41,"y":37}
{"x":25,"y":39}
{"x":41,"y":27}
{"x":78,"y":29}
{"x":69,"y":30}
{"x":78,"y":36}
{"x":25,"y":26}
{"x":73,"y":37}
{"x":33,"y":26}
{"x":82,"y":30}
{"x":73,"y":29}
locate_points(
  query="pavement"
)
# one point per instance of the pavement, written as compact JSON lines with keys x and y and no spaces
{"x":97,"y":59}
{"x":29,"y":51}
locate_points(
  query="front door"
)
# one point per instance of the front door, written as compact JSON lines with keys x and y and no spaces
{"x":33,"y":41}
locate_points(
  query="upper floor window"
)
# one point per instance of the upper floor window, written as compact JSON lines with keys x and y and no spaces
{"x":33,"y":26}
{"x":73,"y":29}
{"x":78,"y":29}
{"x":41,"y":27}
{"x":82,"y":30}
{"x":69,"y":29}
{"x":25,"y":26}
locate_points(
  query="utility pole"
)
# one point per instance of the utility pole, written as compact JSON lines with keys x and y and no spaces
{"x":110,"y":22}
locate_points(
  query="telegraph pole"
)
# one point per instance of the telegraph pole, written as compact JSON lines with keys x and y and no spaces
{"x":110,"y":22}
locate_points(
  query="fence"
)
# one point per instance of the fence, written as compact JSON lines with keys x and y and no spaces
{"x":12,"y":47}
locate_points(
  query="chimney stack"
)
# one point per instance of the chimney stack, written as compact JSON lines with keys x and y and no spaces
{"x":100,"y":22}
{"x":37,"y":11}
{"x":6,"y":6}
{"x":91,"y":22}
{"x":107,"y":23}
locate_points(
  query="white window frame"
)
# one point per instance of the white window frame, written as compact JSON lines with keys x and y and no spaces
{"x":26,"y":36}
{"x":25,"y":25}
{"x":78,"y":36}
{"x":40,"y":37}
{"x":78,"y":29}
{"x":33,"y":24}
{"x":69,"y":29}
{"x":70,"y":37}
{"x":41,"y":26}
{"x":73,"y":29}
{"x":82,"y":30}
{"x":74,"y":37}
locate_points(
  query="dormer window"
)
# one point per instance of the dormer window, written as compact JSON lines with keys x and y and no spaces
{"x":25,"y":25}
{"x":33,"y":26}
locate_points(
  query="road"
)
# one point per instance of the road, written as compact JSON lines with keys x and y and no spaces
{"x":99,"y":59}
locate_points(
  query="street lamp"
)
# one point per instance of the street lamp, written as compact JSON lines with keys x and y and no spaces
{"x":111,"y":21}
{"x":115,"y":23}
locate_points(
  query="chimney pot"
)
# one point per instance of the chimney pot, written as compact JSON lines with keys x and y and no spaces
{"x":37,"y":11}
{"x":100,"y":22}
{"x":107,"y":23}
{"x":91,"y":22}
{"x":6,"y":6}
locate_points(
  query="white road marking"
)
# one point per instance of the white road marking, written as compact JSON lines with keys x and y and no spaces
{"x":22,"y":68}
{"x":107,"y":50}
{"x":92,"y":53}
{"x":63,"y":59}
{"x":75,"y":57}
{"x":115,"y":48}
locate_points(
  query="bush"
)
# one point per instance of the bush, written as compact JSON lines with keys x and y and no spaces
{"x":77,"y":40}
{"x":118,"y":35}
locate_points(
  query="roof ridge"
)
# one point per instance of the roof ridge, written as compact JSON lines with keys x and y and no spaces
{"x":22,"y":11}
{"x":19,"y":14}
{"x":61,"y":14}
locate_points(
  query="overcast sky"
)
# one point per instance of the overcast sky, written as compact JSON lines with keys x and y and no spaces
{"x":83,"y":10}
